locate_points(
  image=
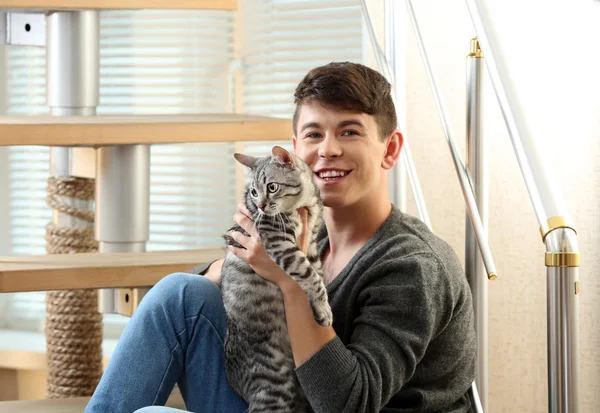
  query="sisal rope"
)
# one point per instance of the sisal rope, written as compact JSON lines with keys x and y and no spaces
{"x":73,"y":324}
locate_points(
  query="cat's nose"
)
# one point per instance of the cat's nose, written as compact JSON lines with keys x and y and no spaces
{"x":261,"y":207}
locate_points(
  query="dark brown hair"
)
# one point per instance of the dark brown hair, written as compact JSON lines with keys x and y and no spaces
{"x":350,"y":87}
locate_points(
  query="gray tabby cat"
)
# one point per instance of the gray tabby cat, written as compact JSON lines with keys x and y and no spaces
{"x":259,"y":362}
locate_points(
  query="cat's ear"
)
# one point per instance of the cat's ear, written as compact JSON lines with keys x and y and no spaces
{"x":283,"y":156}
{"x":246,"y":160}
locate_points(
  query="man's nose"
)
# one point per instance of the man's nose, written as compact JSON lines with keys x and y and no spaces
{"x":330,"y":147}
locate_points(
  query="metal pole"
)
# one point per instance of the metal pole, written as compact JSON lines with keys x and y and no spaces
{"x":398,"y":188}
{"x":122,"y":214}
{"x":73,"y":61}
{"x":562,"y":278}
{"x":558,"y":233}
{"x":478,"y":168}
{"x":463,"y":175}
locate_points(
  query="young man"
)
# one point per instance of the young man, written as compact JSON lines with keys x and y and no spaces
{"x":402,"y":339}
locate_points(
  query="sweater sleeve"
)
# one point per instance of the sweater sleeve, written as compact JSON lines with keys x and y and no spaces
{"x":201,"y":269}
{"x":402,"y":306}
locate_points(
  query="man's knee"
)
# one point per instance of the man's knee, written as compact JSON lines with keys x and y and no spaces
{"x":185,"y":290}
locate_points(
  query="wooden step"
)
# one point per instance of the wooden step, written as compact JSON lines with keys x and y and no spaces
{"x":96,"y":270}
{"x":136,"y":129}
{"x":119,"y":4}
{"x":72,"y":405}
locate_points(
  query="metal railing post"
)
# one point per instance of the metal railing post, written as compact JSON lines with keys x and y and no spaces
{"x":478,"y":168}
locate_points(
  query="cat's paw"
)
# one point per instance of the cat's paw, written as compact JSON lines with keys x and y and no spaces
{"x":323,"y":315}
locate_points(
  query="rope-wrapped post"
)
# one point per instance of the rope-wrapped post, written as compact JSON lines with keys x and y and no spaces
{"x":73,"y":324}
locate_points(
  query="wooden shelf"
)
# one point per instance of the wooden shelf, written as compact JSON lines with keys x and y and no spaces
{"x":96,"y":270}
{"x":71,"y":405}
{"x":119,"y":4}
{"x":135,"y":129}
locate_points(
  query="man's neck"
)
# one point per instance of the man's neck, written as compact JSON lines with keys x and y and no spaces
{"x":352,"y":226}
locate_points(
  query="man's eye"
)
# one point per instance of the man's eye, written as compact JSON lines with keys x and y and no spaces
{"x":254,"y":192}
{"x":313,"y":135}
{"x":349,"y":132}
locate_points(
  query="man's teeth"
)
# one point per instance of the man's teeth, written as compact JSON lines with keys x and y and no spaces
{"x":332,"y":174}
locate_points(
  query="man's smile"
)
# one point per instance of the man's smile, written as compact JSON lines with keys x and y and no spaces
{"x":332,"y":174}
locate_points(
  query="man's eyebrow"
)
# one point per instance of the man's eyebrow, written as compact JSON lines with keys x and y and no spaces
{"x":342,"y":124}
{"x":350,"y":122}
{"x":310,"y":125}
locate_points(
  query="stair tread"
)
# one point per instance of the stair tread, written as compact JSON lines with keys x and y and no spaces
{"x":96,"y":270}
{"x":140,"y":129}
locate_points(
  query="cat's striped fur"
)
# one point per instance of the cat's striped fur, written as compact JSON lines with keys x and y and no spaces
{"x":258,"y":355}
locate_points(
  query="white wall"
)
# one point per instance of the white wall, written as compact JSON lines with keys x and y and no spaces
{"x":551,"y":52}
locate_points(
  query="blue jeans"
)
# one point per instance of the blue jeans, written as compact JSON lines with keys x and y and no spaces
{"x":175,"y":336}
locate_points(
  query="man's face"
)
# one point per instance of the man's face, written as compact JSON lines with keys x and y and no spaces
{"x":344,"y":152}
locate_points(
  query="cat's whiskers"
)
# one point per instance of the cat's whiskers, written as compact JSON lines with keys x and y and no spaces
{"x":276,"y":219}
{"x":273,"y":217}
{"x":280,"y":221}
{"x":258,"y":223}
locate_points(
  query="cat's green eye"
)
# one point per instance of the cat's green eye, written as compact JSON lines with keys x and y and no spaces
{"x":254,"y":192}
{"x":273,"y":187}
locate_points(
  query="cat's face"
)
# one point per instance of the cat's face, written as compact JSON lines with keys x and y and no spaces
{"x":280,"y":183}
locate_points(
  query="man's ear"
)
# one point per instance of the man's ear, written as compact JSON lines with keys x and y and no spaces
{"x":282,"y":156}
{"x":392,"y":149}
{"x":246,"y":160}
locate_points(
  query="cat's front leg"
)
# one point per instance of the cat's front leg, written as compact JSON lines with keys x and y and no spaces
{"x":295,"y":263}
{"x":322,"y":310}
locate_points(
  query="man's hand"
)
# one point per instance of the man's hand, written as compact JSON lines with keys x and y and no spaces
{"x":254,"y":253}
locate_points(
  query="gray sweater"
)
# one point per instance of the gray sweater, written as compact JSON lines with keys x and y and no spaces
{"x":403,"y":316}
